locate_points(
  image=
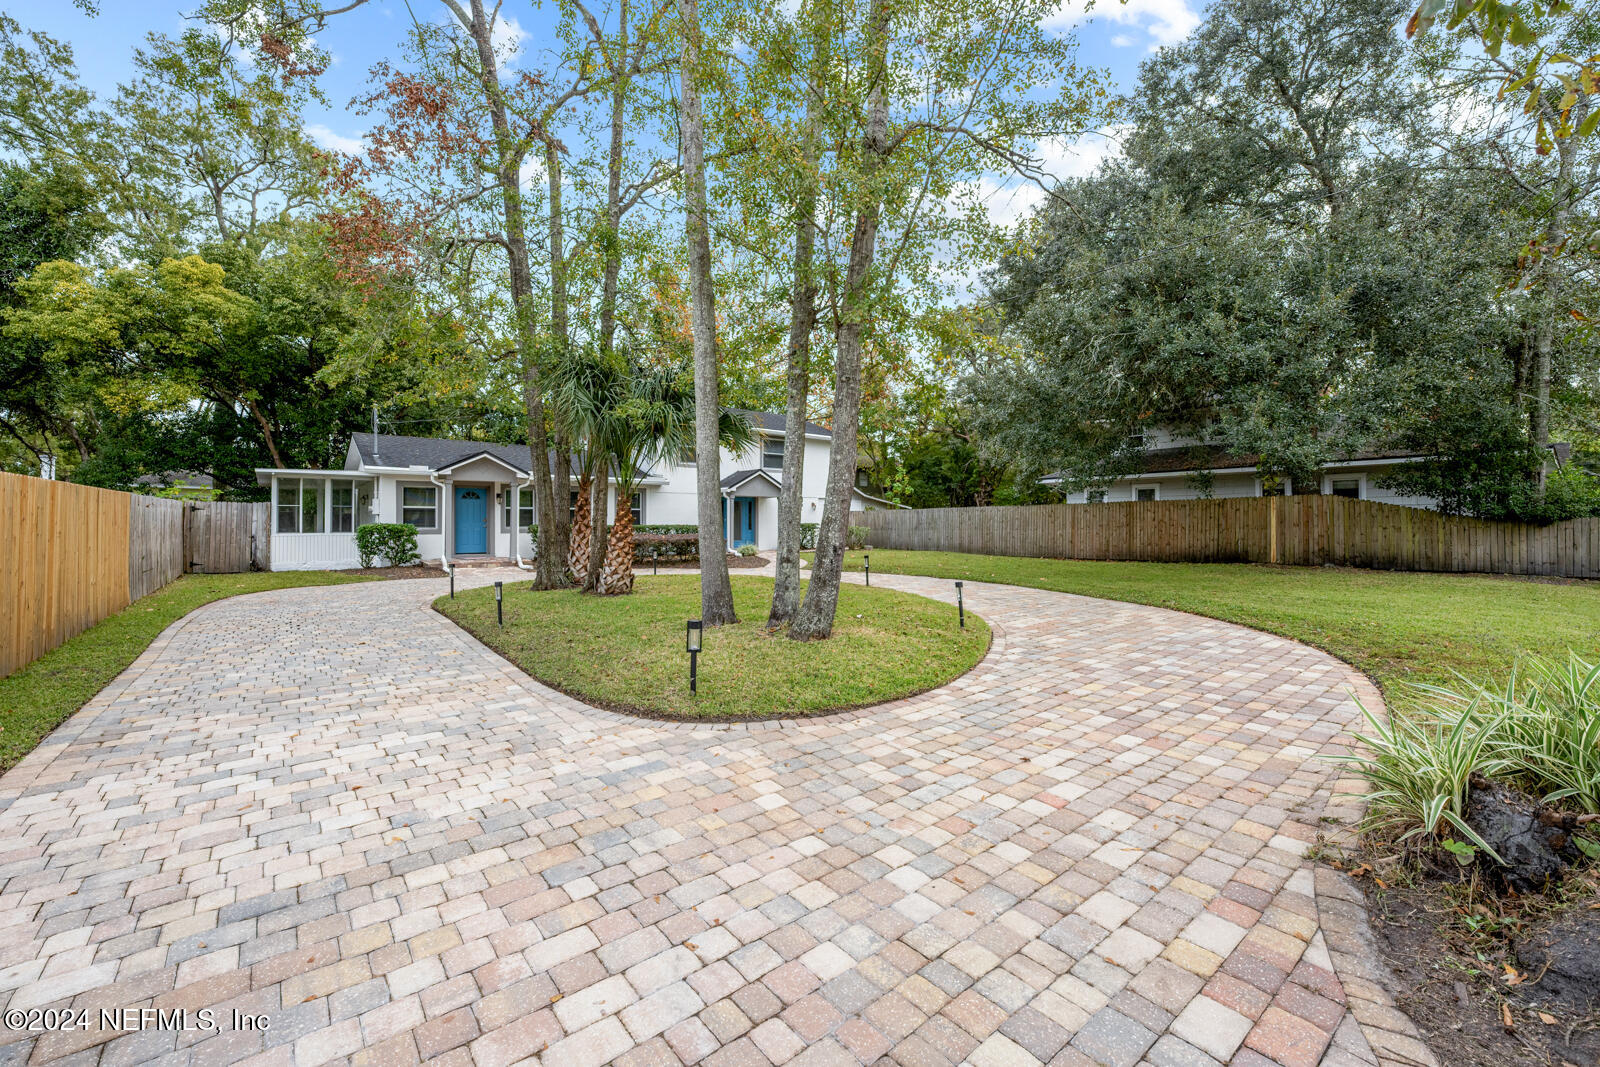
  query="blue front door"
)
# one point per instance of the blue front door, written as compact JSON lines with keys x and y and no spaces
{"x":744,"y":521}
{"x":472,"y":513}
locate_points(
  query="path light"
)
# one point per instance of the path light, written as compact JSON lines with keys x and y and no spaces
{"x":654,"y":553}
{"x":452,"y":583}
{"x":866,"y":564}
{"x":499,"y":607}
{"x":961,"y":607}
{"x":692,"y":645}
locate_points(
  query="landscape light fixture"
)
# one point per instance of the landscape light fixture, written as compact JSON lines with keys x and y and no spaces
{"x":866,"y":565}
{"x":691,"y":644}
{"x":499,"y":606}
{"x":452,"y":583}
{"x":654,"y":552}
{"x":961,"y":607}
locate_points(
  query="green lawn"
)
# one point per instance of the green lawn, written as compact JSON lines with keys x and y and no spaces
{"x":1396,"y":627}
{"x":627,"y":652}
{"x":40,"y":696}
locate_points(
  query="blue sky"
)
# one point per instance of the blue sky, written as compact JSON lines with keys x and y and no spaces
{"x":1116,"y":36}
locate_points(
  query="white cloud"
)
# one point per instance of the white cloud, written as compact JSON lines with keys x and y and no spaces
{"x":507,"y":39}
{"x":1167,"y":21}
{"x":1121,"y":40}
{"x":1010,"y":199}
{"x":337,"y":142}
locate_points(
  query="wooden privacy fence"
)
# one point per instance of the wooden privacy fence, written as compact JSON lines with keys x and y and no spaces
{"x":1298,"y":530}
{"x":72,"y":554}
{"x":221,"y":537}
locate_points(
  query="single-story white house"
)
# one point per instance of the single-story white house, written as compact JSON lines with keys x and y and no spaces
{"x":1174,"y":467}
{"x":458,"y":494}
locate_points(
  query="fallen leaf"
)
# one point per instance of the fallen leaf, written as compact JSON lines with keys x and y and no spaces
{"x":1505,"y":1017}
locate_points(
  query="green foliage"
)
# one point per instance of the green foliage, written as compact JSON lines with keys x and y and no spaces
{"x":856,"y":536}
{"x":1419,"y":770}
{"x":808,"y":536}
{"x":747,"y":550}
{"x":395,"y":542}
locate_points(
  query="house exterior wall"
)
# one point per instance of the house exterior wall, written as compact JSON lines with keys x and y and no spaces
{"x":1246,"y":483}
{"x":671,"y":502}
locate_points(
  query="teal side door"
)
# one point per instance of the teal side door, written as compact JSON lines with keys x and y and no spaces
{"x":472,"y":514}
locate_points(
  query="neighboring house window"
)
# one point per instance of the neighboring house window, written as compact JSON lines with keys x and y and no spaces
{"x":1350,"y":487}
{"x":572,"y":506}
{"x":342,"y":507}
{"x":299,"y":505}
{"x":772,"y":453}
{"x":636,"y":505}
{"x":1097,"y":496}
{"x":419,"y":505}
{"x":1136,"y":441}
{"x":1144,"y":492}
{"x":524,"y":509}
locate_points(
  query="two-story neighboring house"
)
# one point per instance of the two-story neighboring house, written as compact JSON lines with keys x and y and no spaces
{"x":474,"y":500}
{"x":1174,"y":467}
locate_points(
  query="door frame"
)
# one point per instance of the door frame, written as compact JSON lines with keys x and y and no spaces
{"x":455,"y":518}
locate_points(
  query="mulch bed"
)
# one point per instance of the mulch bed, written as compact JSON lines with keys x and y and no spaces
{"x":419,"y":571}
{"x":735,"y":562}
{"x":1468,"y":962}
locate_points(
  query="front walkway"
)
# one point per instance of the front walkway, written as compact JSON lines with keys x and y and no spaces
{"x":330,"y":808}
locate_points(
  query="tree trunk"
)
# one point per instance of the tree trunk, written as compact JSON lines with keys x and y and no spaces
{"x":578,"y":548}
{"x":255,"y":413}
{"x":716,"y":594}
{"x":613,"y":245}
{"x":548,"y":570}
{"x":598,"y":490}
{"x":815,"y":618}
{"x":617,"y":577}
{"x":802,"y":318}
{"x":561,"y":480}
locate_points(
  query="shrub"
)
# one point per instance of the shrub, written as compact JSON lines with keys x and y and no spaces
{"x":808,"y":536}
{"x":666,"y":546}
{"x":747,"y":550}
{"x":1540,"y":730}
{"x":394,"y":541}
{"x":856,"y":536}
{"x":1419,"y":767}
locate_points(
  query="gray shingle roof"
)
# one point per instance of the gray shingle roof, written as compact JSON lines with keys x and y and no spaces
{"x":766,"y":420}
{"x":738,"y":478}
{"x":392,"y":450}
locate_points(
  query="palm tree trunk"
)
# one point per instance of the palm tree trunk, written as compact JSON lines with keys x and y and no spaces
{"x":716,"y":593}
{"x":578,"y":548}
{"x":617,"y":578}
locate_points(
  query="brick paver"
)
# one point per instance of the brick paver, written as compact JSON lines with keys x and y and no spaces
{"x":350,"y":833}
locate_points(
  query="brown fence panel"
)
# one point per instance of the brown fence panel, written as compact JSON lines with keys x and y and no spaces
{"x":1296,"y":530}
{"x":224,"y":537}
{"x":64,"y":564}
{"x":155,"y":543}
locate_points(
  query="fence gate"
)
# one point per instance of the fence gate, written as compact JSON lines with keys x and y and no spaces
{"x":223,"y":537}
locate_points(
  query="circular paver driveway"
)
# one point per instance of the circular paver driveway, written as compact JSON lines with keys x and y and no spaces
{"x":330,"y":809}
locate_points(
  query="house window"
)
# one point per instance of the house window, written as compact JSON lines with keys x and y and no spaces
{"x":1350,"y":487}
{"x":1097,"y":496}
{"x":1135,"y":442}
{"x":572,"y":507}
{"x":524,"y":509}
{"x":772,"y":453}
{"x":419,"y":505}
{"x":1144,"y":492}
{"x":299,"y":505}
{"x":342,"y":507}
{"x":636,"y":505}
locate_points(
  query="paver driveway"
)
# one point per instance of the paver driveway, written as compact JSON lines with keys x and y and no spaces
{"x":330,"y":808}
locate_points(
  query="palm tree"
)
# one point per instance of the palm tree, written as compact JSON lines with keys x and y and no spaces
{"x":585,"y":385}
